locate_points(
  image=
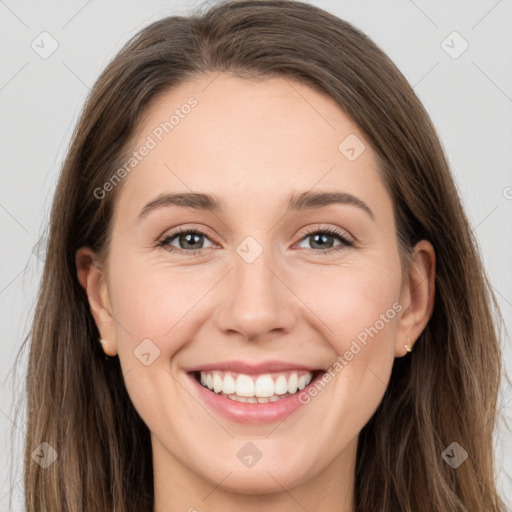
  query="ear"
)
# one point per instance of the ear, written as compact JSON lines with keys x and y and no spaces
{"x":417,"y":297}
{"x":92,"y":279}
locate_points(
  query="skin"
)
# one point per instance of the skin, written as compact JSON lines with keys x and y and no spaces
{"x":252,"y":143}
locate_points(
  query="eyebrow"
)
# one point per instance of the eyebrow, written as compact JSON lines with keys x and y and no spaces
{"x":211,"y":203}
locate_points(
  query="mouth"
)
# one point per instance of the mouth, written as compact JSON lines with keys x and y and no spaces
{"x":256,"y":388}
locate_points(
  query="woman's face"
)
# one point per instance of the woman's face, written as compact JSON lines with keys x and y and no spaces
{"x":255,"y":292}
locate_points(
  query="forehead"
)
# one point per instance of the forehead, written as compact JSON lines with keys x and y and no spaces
{"x":250,"y":141}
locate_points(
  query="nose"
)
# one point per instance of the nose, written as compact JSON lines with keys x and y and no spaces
{"x":258,"y":302}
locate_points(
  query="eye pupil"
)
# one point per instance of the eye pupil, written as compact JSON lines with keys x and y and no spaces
{"x":188,"y":237}
{"x":319,"y":238}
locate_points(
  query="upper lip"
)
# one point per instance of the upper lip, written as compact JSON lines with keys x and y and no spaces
{"x":249,"y":367}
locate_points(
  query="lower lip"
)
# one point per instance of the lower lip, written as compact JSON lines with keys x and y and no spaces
{"x":242,"y":412}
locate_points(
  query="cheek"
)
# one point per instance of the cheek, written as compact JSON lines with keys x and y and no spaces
{"x":368,"y":312}
{"x":152,"y":309}
{"x":356,"y":303}
{"x":359,"y":311}
{"x":151,"y":301}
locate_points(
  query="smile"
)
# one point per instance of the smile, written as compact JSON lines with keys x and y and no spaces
{"x":268,"y":387}
{"x":253,"y":398}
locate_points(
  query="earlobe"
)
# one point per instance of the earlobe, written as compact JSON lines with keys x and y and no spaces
{"x":92,"y":279}
{"x":418,"y":294}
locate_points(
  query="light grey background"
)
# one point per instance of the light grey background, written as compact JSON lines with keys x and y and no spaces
{"x":469,"y":99}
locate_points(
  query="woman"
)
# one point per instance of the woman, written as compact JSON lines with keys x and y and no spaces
{"x":251,"y":371}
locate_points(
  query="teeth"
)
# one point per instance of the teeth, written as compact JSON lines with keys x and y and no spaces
{"x":244,"y":386}
{"x":292,"y":383}
{"x":255,"y":389}
{"x":229,"y":385}
{"x":281,"y":385}
{"x":253,"y":400}
{"x":217,"y":382}
{"x":264,"y":386}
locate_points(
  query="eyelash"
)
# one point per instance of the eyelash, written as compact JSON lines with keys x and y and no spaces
{"x":164,"y":242}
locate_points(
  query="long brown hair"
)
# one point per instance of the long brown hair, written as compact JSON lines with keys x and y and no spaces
{"x":445,"y":391}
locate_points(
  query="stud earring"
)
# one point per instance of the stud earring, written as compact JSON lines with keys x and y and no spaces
{"x":408,"y":347}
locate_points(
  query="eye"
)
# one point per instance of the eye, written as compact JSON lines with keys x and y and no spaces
{"x":322,"y":238}
{"x":189,"y":241}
